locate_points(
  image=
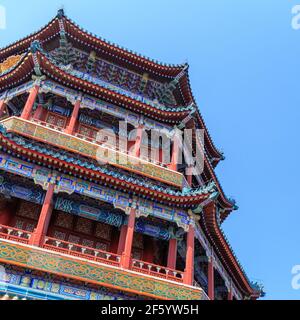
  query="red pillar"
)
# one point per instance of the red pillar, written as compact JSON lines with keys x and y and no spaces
{"x":172,"y":254}
{"x":126,"y":255}
{"x":138,"y":141}
{"x":189,"y":261}
{"x":211,"y":279}
{"x":44,"y":219}
{"x":30,"y":102}
{"x":70,"y":128}
{"x":230,"y":295}
{"x":38,"y":112}
{"x":2,"y":107}
{"x":175,"y":152}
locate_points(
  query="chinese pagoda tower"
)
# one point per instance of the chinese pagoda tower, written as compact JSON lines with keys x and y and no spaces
{"x":130,"y":227}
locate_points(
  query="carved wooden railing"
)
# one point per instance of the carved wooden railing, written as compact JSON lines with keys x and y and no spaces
{"x":81,"y":251}
{"x":156,"y":270}
{"x":14,"y":234}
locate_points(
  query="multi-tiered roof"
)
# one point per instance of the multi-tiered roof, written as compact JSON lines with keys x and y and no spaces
{"x":167,"y":98}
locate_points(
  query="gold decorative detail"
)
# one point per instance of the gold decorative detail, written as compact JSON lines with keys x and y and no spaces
{"x":9,"y":62}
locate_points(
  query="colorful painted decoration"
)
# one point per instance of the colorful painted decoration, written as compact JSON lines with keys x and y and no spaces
{"x":9,"y":63}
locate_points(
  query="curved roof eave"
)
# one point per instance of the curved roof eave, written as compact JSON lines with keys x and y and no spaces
{"x":225,"y":251}
{"x":23,"y":44}
{"x":188,"y":96}
{"x":19,"y":73}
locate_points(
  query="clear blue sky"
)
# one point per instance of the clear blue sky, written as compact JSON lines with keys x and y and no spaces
{"x":244,"y":67}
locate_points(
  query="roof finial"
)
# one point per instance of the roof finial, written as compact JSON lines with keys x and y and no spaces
{"x":61,"y":12}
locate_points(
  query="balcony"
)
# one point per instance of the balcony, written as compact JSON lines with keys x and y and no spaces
{"x":93,"y":265}
{"x":54,"y":136}
{"x":92,"y":254}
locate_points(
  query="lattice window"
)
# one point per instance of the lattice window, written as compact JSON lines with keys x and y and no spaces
{"x":87,"y":243}
{"x":24,"y":225}
{"x":87,"y":131}
{"x":29,"y":210}
{"x":56,"y":120}
{"x":74,"y":239}
{"x":102,"y":246}
{"x":59,"y":235}
{"x":64,"y":220}
{"x":103,"y":231}
{"x":84,"y":226}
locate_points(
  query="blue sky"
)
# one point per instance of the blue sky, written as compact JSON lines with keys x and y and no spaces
{"x":244,"y":68}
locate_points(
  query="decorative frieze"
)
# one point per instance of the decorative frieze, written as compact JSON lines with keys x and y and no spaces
{"x":93,"y":213}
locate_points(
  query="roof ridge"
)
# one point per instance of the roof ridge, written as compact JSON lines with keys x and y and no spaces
{"x":117,"y":46}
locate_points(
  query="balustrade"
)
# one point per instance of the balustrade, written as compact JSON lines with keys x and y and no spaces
{"x":14,"y":234}
{"x":156,"y":270}
{"x":81,"y":251}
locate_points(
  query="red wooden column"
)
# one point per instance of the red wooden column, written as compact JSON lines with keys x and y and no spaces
{"x":38,"y":112}
{"x":189,"y":261}
{"x":211,"y":280}
{"x":138,"y":141}
{"x":30,"y":102}
{"x":2,"y":107}
{"x":175,"y":150}
{"x":172,"y":254}
{"x":70,"y":128}
{"x":126,"y":255}
{"x":122,"y":239}
{"x":44,"y":219}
